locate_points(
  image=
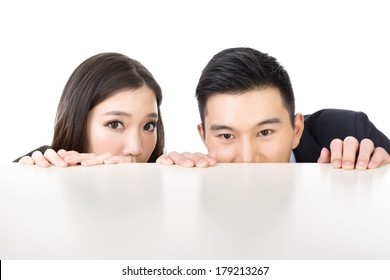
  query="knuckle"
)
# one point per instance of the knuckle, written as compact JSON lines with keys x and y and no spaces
{"x":173,"y":154}
{"x":36,"y":154}
{"x":367,"y":140}
{"x":351,"y":139}
{"x":26,"y":159}
{"x":49,"y":153}
{"x":187,"y":154}
{"x":200,"y":155}
{"x":380,"y":149}
{"x":336,"y":140}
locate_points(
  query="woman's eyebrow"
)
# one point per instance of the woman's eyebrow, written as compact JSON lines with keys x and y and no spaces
{"x":153,"y":115}
{"x":121,"y":113}
{"x":117,"y":113}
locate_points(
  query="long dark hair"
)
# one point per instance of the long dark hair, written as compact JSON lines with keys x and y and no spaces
{"x":92,"y":82}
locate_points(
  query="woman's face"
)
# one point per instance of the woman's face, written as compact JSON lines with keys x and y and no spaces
{"x":124,"y":124}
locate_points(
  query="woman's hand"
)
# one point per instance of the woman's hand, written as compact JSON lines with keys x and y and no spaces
{"x":64,"y":158}
{"x":49,"y":158}
{"x":187,"y":159}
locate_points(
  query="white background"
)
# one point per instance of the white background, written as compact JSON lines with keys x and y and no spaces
{"x":336,"y":52}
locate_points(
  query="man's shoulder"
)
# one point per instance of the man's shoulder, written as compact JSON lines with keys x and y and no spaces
{"x":332,"y":114}
{"x":340,"y":121}
{"x":321,"y":127}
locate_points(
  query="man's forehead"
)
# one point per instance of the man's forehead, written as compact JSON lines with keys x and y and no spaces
{"x":253,"y":102}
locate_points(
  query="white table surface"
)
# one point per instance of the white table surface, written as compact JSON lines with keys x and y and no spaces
{"x":231,"y":211}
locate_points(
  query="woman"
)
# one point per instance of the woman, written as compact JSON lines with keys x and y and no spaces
{"x":109,"y":112}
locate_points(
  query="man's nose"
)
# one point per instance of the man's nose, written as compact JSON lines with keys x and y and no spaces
{"x":247,"y":151}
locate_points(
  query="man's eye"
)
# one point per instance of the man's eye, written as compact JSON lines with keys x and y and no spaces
{"x":226,"y":136}
{"x":115,"y":125}
{"x":150,"y":126}
{"x":265,"y":132}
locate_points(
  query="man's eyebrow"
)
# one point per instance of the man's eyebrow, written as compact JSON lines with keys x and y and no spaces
{"x":121,"y":113}
{"x":216,"y":127}
{"x":269,"y":121}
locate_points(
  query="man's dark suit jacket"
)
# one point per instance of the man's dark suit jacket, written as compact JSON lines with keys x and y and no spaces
{"x":321,"y":128}
{"x":328,"y":124}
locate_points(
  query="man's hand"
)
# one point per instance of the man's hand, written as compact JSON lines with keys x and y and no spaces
{"x":187,"y":159}
{"x":349,"y":154}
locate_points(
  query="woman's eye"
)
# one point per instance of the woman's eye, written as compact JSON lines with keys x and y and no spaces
{"x":150,"y":126}
{"x":115,"y":125}
{"x":265,"y":132}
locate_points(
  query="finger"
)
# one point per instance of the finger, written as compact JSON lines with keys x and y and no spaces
{"x":39,"y":160}
{"x":69,"y":157}
{"x":350,"y":148}
{"x":212,"y":161}
{"x":336,"y":153}
{"x":365,"y":151}
{"x":181,"y":159}
{"x":51,"y":156}
{"x":115,"y":160}
{"x":62,"y":153}
{"x":74,"y":157}
{"x":199,"y":159}
{"x":324,"y":156}
{"x":96,"y":160}
{"x":68,"y":153}
{"x":164,"y":159}
{"x":27,"y":160}
{"x":378,"y":157}
{"x":213,"y":154}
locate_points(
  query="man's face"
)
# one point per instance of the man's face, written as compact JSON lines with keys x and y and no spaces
{"x":250,"y":127}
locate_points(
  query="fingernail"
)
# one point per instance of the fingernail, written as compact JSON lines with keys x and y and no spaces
{"x":348,"y":164}
{"x":69,"y":158}
{"x":336,"y":163}
{"x":188,"y":163}
{"x":166,"y":161}
{"x":85,"y":162}
{"x":201,"y":163}
{"x":360,"y":164}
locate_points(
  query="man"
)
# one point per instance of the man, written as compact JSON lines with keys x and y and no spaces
{"x":247,"y":109}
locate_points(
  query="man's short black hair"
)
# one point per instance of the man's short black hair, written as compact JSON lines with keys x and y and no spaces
{"x":238,"y":70}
